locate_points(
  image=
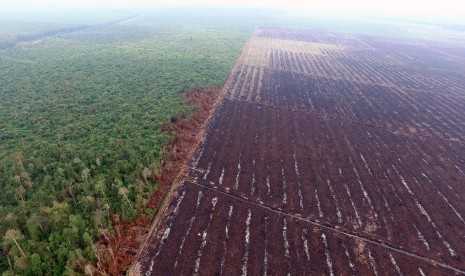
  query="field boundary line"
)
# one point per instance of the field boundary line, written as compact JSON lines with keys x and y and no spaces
{"x":163,"y":209}
{"x":327,"y":117}
{"x":389,"y":86}
{"x":331,"y":228}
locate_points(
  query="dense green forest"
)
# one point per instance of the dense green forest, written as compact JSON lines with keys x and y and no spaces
{"x":81,"y":112}
{"x":80,"y":127}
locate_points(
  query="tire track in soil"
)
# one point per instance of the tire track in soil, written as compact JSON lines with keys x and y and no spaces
{"x":259,"y":229}
{"x":327,"y":226}
{"x":337,"y":118}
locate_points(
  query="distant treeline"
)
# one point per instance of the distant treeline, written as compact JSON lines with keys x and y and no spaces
{"x":48,"y":33}
{"x":32,"y":37}
{"x":82,"y":138}
{"x":25,"y":38}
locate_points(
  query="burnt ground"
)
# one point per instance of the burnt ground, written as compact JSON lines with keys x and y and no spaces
{"x":330,"y":154}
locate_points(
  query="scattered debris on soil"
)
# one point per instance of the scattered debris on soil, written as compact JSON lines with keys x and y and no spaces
{"x":320,"y":161}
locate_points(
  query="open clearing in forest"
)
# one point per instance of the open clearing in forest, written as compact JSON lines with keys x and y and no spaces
{"x":330,"y":154}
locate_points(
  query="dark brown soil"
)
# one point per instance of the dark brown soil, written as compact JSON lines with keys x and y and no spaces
{"x":345,"y":162}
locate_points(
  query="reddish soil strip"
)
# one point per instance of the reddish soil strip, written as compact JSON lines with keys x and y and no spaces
{"x":119,"y":251}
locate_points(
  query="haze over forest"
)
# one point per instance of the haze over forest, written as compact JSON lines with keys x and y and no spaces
{"x":445,"y":14}
{"x":327,"y":124}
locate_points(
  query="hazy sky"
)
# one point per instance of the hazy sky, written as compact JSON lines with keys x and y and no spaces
{"x":402,"y":7}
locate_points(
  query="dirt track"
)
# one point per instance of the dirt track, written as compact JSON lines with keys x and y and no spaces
{"x":330,"y":154}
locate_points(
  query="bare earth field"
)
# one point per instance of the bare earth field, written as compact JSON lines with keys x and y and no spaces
{"x":329,"y":154}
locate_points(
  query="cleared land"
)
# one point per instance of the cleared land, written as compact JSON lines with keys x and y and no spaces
{"x":83,"y":133}
{"x":330,"y":154}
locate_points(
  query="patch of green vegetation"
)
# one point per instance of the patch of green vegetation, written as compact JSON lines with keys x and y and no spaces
{"x":80,"y":129}
{"x":11,"y":31}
